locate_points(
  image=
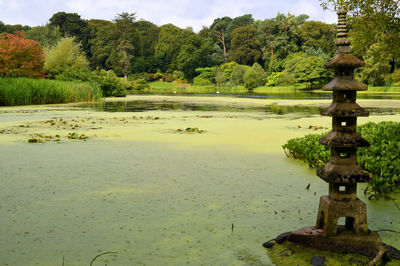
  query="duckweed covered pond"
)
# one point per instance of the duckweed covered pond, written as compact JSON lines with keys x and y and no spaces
{"x":156,"y":196}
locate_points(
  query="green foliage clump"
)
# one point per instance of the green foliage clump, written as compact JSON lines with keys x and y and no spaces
{"x":395,"y":78}
{"x":140,"y":84}
{"x":227,"y":69}
{"x":308,"y":149}
{"x":25,"y":91}
{"x":178,"y":75}
{"x":199,"y":81}
{"x":381,"y":160}
{"x":308,"y":70}
{"x":254,"y":77}
{"x":237,"y":75}
{"x":65,"y":56}
{"x":71,"y":73}
{"x":168,"y":77}
{"x":109,"y":83}
{"x":244,"y":45}
{"x":142,"y":75}
{"x":376,"y":65}
{"x":206,"y":73}
{"x":220,"y":77}
{"x":280,"y":79}
{"x":47,"y":35}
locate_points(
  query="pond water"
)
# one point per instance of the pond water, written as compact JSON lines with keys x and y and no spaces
{"x":291,"y":94}
{"x":271,"y":108}
{"x":142,"y":186}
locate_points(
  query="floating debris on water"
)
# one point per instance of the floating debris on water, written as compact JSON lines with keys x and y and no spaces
{"x":190,"y":130}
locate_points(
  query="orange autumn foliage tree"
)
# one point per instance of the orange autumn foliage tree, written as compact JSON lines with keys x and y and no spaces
{"x":20,"y":57}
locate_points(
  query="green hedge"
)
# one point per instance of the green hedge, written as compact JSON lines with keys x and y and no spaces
{"x":381,"y":160}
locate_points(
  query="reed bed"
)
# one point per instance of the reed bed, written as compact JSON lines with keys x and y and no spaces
{"x":26,"y":91}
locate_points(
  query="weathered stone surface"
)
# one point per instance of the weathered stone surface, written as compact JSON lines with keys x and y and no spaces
{"x":318,"y":261}
{"x":345,"y":60}
{"x":344,"y":110}
{"x":334,"y":173}
{"x":344,"y":139}
{"x":268,"y":244}
{"x":282,"y":238}
{"x":331,"y":210}
{"x":345,"y":242}
{"x":346,"y":84}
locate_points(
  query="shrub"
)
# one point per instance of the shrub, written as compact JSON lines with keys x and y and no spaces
{"x":140,"y":84}
{"x":109,"y":83}
{"x":142,"y":75}
{"x":20,"y":57}
{"x":199,"y":81}
{"x":254,"y":77}
{"x":178,"y":75}
{"x":273,"y":79}
{"x":381,"y":159}
{"x":395,"y":76}
{"x":227,"y":69}
{"x":237,"y":75}
{"x":126,"y":84}
{"x":207,"y":73}
{"x":220,"y":77}
{"x":308,"y":70}
{"x":157,"y":76}
{"x":168,"y":77}
{"x":286,"y":79}
{"x":71,"y":73}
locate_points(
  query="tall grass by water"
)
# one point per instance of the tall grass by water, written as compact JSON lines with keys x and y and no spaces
{"x":25,"y":91}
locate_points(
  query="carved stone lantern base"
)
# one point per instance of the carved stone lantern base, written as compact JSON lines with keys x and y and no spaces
{"x":346,"y":241}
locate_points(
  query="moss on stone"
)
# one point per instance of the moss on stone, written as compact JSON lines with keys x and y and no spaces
{"x":302,"y":256}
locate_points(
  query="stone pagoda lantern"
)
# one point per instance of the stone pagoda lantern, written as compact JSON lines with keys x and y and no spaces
{"x":342,"y":172}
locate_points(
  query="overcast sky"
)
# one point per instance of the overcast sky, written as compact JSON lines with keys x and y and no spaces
{"x":182,"y":13}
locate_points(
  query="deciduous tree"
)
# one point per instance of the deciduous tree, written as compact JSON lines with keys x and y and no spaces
{"x":308,"y":70}
{"x":245,"y":48}
{"x":254,"y":77}
{"x":318,"y":35}
{"x":72,"y":25}
{"x":20,"y":57}
{"x":66,"y":55}
{"x":47,"y":35}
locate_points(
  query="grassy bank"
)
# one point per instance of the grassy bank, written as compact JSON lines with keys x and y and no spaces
{"x":25,"y":91}
{"x":159,"y":87}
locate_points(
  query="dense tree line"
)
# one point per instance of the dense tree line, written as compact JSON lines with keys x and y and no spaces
{"x":289,"y":49}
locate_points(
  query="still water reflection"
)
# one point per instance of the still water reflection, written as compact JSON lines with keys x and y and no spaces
{"x":273,"y":108}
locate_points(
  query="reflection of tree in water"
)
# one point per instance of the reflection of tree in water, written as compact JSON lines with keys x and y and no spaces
{"x":142,"y":106}
{"x":289,"y":109}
